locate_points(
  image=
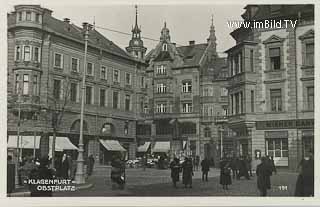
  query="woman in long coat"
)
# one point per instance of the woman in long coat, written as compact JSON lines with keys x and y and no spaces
{"x":305,"y":181}
{"x":187,"y":172}
{"x":175,"y":171}
{"x":64,"y":167}
{"x":264,"y":171}
{"x":225,"y":174}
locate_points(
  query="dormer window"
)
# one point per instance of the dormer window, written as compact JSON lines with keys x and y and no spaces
{"x":165,"y":47}
{"x":161,"y":70}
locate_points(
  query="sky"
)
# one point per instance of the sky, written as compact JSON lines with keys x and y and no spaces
{"x":186,"y":22}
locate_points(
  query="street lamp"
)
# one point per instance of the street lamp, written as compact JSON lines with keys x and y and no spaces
{"x":80,"y":178}
{"x":221,"y":143}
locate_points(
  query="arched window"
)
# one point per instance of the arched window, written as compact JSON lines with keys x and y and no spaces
{"x":165,"y":47}
{"x":75,"y":127}
{"x":207,"y":132}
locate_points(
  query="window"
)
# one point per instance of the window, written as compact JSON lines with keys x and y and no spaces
{"x":36,"y":54}
{"x":73,"y":92}
{"x":240,"y":62}
{"x":103,"y":73}
{"x":224,"y":91}
{"x":161,"y":70}
{"x":143,"y":85}
{"x":145,"y":109}
{"x":161,"y":108}
{"x":165,"y":47}
{"x":74,"y":64}
{"x":18,"y":53}
{"x":207,"y":132}
{"x":27,"y":56}
{"x":187,"y":107}
{"x":232,"y":103}
{"x":310,"y":97}
{"x":58,"y":60}
{"x":102,"y":97}
{"x":28,"y":16}
{"x":277,"y":147}
{"x":241,"y":102}
{"x":128,"y":79}
{"x":161,"y":88}
{"x":127,"y":103}
{"x":274,"y":55}
{"x":116,"y":76}
{"x":252,"y":101}
{"x":310,"y":54}
{"x":18,"y":84}
{"x":90,"y":69}
{"x":57,"y":89}
{"x":251,"y":61}
{"x":237,"y":103}
{"x":35,"y":90}
{"x":25,"y":89}
{"x":126,"y":128}
{"x":275,"y":97}
{"x":205,"y":92}
{"x":20,"y":16}
{"x":38,"y":18}
{"x":187,"y":87}
{"x":89,"y":94}
{"x":115,"y":100}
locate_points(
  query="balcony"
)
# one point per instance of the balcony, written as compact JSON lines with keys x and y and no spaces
{"x":26,"y":65}
{"x":220,"y":119}
{"x":275,"y":75}
{"x":241,"y":78}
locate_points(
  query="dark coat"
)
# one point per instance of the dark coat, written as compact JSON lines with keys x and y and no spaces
{"x":64,"y":168}
{"x":264,"y":171}
{"x":118,"y":171}
{"x":225,"y":173}
{"x":243,"y":170}
{"x":175,"y":170}
{"x":305,"y":181}
{"x":205,"y":165}
{"x":187,"y":172}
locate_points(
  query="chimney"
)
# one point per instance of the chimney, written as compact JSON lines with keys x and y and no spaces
{"x":192,"y":42}
{"x":66,"y":20}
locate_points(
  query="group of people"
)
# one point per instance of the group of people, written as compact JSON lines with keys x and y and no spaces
{"x":187,"y":171}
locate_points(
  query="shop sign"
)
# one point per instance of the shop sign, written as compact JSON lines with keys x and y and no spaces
{"x":285,"y":124}
{"x":276,"y":134}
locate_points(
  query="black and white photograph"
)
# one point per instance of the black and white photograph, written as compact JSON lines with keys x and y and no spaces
{"x":160,"y":100}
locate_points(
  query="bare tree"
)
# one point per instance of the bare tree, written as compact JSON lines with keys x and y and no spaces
{"x":57,"y":103}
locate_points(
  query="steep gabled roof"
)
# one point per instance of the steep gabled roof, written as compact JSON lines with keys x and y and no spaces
{"x":192,"y":53}
{"x":95,"y":38}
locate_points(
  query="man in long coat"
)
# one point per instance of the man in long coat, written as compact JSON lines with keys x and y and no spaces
{"x":305,"y":181}
{"x":175,"y":171}
{"x":187,"y":172}
{"x":264,"y":171}
{"x":205,"y":167}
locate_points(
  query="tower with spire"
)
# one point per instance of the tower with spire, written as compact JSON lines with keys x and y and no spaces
{"x":136,"y":47}
{"x":212,"y":40}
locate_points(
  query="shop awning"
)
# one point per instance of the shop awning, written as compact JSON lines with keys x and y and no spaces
{"x":161,"y":147}
{"x":144,"y":147}
{"x":62,"y":143}
{"x":25,"y":142}
{"x":112,"y":145}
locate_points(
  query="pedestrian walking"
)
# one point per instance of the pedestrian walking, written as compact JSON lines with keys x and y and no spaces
{"x":205,"y":167}
{"x":305,"y":181}
{"x":243,"y":170}
{"x":249,"y":165}
{"x":117,"y":173}
{"x":41,"y":172}
{"x":90,"y":164}
{"x":64,"y":167}
{"x":187,"y":172}
{"x":196,"y":162}
{"x":175,"y":171}
{"x":225,"y":173}
{"x":263,"y":176}
{"x":233,"y":166}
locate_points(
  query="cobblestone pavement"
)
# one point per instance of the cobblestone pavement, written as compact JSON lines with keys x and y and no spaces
{"x":154,"y":182}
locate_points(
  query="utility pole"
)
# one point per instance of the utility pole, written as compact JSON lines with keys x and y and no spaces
{"x":80,"y":177}
{"x":221,"y":143}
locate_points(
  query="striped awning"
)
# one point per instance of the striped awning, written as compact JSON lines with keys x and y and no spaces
{"x":161,"y":147}
{"x":112,"y":145}
{"x":25,"y":142}
{"x":62,"y":143}
{"x":144,"y":147}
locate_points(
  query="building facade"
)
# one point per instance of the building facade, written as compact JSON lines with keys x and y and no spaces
{"x":45,"y":68}
{"x":271,"y":84}
{"x":181,"y":110}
